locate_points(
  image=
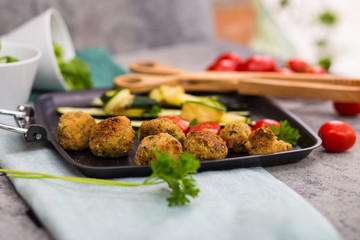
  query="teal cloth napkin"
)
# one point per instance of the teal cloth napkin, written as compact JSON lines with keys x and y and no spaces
{"x":103,"y":68}
{"x":235,"y":204}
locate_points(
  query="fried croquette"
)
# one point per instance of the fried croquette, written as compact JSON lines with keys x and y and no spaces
{"x":73,"y":130}
{"x":162,"y":142}
{"x":161,"y":125}
{"x":264,"y":141}
{"x":205,"y":146}
{"x":235,"y":134}
{"x":112,"y":137}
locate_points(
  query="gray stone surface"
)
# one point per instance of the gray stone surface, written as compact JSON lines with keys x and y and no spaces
{"x":16,"y":221}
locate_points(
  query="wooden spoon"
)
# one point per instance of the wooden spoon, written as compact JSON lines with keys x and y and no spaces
{"x":227,"y":82}
{"x":158,"y":68}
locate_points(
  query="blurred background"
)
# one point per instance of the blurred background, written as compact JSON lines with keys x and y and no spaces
{"x":322,"y":30}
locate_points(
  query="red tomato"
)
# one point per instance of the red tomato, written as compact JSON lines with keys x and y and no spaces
{"x":268,"y":122}
{"x":212,"y":127}
{"x":337,"y":136}
{"x":316,"y":70}
{"x":284,"y":71}
{"x":347,"y":109}
{"x":297,"y":65}
{"x":230,"y":56}
{"x":259,"y":63}
{"x":181,"y":122}
{"x":223,"y":65}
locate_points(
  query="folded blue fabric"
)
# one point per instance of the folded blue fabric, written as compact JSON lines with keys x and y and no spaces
{"x":234,"y":204}
{"x":103,"y":68}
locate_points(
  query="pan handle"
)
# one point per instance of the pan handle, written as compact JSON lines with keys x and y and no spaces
{"x":31,"y":132}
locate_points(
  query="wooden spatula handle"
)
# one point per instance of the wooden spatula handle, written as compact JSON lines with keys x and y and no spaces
{"x":295,"y":89}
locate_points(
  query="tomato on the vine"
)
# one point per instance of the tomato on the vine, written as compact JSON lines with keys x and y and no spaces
{"x":267,"y":122}
{"x":347,"y":109}
{"x":181,"y":122}
{"x":212,"y":127}
{"x":297,"y":64}
{"x":337,"y":136}
{"x":259,"y":63}
{"x":223,"y":65}
{"x":230,"y":56}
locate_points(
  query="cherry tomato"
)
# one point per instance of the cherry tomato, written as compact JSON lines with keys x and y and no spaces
{"x":284,"y":71}
{"x":181,"y":122}
{"x":223,"y":65}
{"x":266,"y":121}
{"x":347,"y":109}
{"x":297,"y":64}
{"x":258,"y":63}
{"x":337,"y":136}
{"x":230,"y":56}
{"x":212,"y":127}
{"x":316,"y":70}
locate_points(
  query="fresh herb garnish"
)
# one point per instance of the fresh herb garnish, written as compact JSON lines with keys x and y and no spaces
{"x":154,"y":110}
{"x":286,"y":132}
{"x":76,"y":72}
{"x":193,"y":122}
{"x":176,"y":175}
{"x":164,"y":169}
{"x":7,"y":59}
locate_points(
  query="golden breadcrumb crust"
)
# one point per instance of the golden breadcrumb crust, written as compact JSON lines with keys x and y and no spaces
{"x":205,"y":145}
{"x":162,"y":142}
{"x":73,"y":130}
{"x":112,"y":137}
{"x":235,"y":134}
{"x":264,"y":141}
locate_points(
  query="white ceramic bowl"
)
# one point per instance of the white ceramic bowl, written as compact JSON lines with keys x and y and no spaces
{"x":17,"y":78}
{"x":42,"y":31}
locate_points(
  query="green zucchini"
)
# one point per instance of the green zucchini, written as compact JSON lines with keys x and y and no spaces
{"x":201,"y":111}
{"x":116,"y":100}
{"x":131,"y":113}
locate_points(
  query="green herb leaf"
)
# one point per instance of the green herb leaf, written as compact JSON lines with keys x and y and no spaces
{"x":193,"y":122}
{"x":284,"y":3}
{"x":76,"y":73}
{"x":8,"y":59}
{"x":286,"y":132}
{"x":176,"y":175}
{"x":325,"y":62}
{"x":165,"y":169}
{"x":327,"y":18}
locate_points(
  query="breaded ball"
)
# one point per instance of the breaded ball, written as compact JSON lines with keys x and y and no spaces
{"x":205,"y":146}
{"x":264,"y":141}
{"x":161,"y":125}
{"x":73,"y":130}
{"x":235,"y":135}
{"x":112,"y":137}
{"x":162,"y":142}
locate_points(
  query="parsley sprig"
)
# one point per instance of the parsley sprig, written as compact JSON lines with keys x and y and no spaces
{"x":164,"y":170}
{"x":286,"y":132}
{"x":176,"y":175}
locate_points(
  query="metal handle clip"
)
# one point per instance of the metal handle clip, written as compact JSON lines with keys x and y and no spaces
{"x":25,"y":117}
